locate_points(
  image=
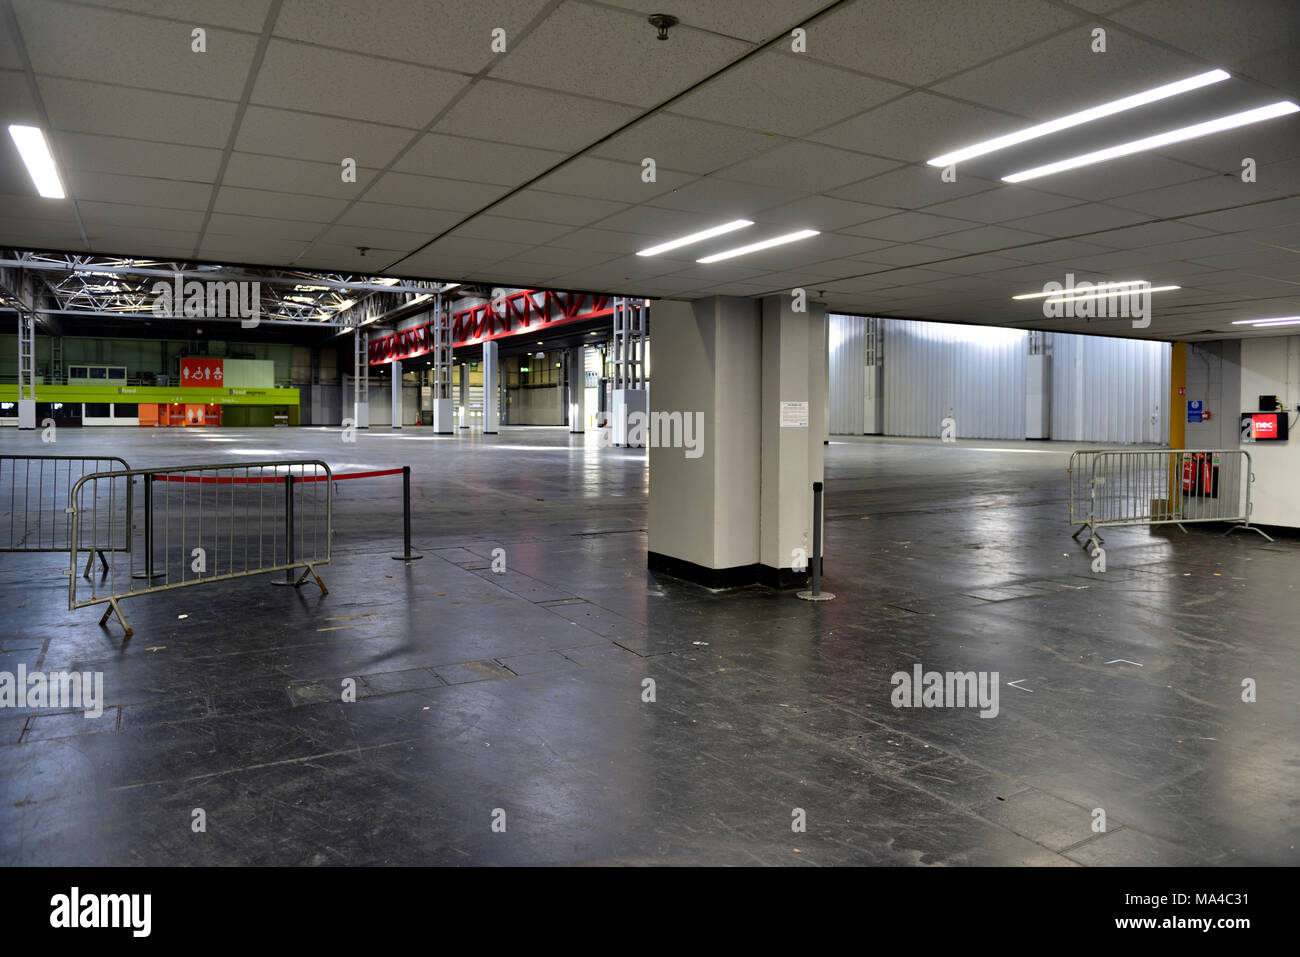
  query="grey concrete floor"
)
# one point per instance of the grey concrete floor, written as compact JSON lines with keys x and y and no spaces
{"x":522,"y":691}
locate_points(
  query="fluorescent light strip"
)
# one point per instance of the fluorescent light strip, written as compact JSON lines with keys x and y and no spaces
{"x":1280,"y":321}
{"x":1076,"y":119}
{"x":696,"y":237}
{"x":1113,"y":292}
{"x":1100,"y":285}
{"x":40,"y":163}
{"x":765,"y":244}
{"x":1257,"y":115}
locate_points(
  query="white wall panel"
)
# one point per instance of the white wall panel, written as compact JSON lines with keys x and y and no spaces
{"x":1109,"y":390}
{"x":846,"y":337}
{"x":974,"y":373}
{"x":1114,"y":391}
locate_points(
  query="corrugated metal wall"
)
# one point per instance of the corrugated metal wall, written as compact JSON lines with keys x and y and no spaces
{"x":846,"y":337}
{"x":1109,"y":390}
{"x":976,"y":373}
{"x":1103,"y":390}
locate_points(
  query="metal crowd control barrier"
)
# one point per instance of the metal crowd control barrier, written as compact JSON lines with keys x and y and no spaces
{"x":1080,"y":473}
{"x":1165,"y":487}
{"x":34,"y":493}
{"x":200,"y":524}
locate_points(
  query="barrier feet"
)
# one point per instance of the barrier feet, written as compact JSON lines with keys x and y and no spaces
{"x":309,"y":570}
{"x":115,"y":608}
{"x":1251,"y":527}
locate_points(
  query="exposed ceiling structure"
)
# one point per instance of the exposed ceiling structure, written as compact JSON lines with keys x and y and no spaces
{"x":525,"y":167}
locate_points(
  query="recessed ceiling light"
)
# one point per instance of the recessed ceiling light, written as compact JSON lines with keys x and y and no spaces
{"x":1112,"y":292}
{"x":1075,"y":119}
{"x":1280,"y":321}
{"x":40,"y":163}
{"x":1257,"y":115}
{"x":696,"y":237}
{"x":755,"y":247}
{"x":1099,"y":285}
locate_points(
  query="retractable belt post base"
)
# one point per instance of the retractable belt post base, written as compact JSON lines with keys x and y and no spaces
{"x":816,"y":593}
{"x":408,"y":555}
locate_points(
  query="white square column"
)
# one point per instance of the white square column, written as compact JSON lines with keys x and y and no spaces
{"x":703,"y":515}
{"x":624,"y":402}
{"x":793,"y":436}
{"x":462,"y":417}
{"x":491,"y":416}
{"x":395,"y":370}
{"x":577,"y":369}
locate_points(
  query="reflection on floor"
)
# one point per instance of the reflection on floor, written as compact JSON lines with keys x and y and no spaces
{"x":516,"y":698}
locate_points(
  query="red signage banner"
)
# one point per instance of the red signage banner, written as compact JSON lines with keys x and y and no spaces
{"x":202,"y":373}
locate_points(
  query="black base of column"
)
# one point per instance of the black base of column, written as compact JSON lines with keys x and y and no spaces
{"x":737,"y":576}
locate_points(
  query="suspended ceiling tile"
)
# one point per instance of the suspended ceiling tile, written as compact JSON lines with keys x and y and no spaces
{"x":782,"y":93}
{"x":592,"y":239}
{"x":1279,"y":212}
{"x":16,"y":100}
{"x":611,"y":180}
{"x":913,"y":187}
{"x":917,"y":127}
{"x":82,"y":107}
{"x":807,"y":166}
{"x":450,"y":34}
{"x":614,"y":54}
{"x":513,"y":230}
{"x":1078,"y":219}
{"x":404,"y":189}
{"x":113,"y":154}
{"x":1126,"y":175}
{"x":104,"y":46}
{"x":45,"y":234}
{"x":243,"y":249}
{"x":510,"y":113}
{"x":1147,"y":235}
{"x":544,"y":207}
{"x":929,"y":39}
{"x":1001,"y":205}
{"x":753,"y":20}
{"x":37,"y":208}
{"x":101,"y":216}
{"x":325,"y":139}
{"x":292,"y":175}
{"x":414,"y":219}
{"x":298,"y":77}
{"x":724,"y":198}
{"x":247,"y":15}
{"x":481,"y":161}
{"x":260,"y":202}
{"x":142,"y":190}
{"x":1061,"y":75}
{"x":1221,"y":31}
{"x":682,"y":143}
{"x":986,"y":239}
{"x":908,"y":227}
{"x":225,"y":224}
{"x":822,"y":211}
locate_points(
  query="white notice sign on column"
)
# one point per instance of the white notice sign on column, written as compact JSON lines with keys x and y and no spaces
{"x":794,"y":415}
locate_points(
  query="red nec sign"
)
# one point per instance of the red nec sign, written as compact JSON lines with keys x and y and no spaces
{"x":204,"y":373}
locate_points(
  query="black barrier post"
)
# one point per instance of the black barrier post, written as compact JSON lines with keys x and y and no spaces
{"x":288,"y":530}
{"x":816,"y":593}
{"x":406,"y":518}
{"x":148,"y":572}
